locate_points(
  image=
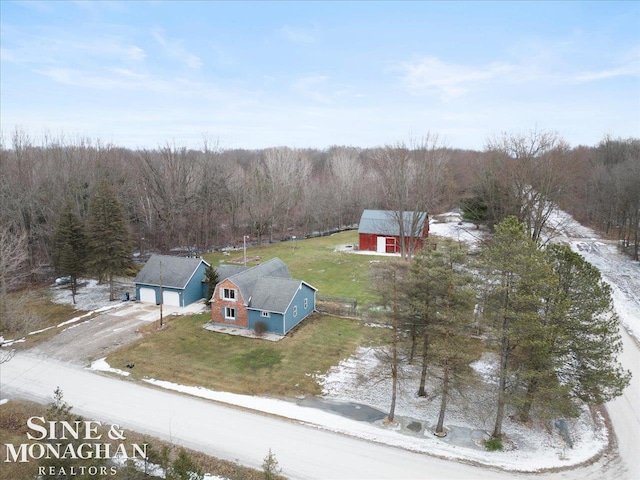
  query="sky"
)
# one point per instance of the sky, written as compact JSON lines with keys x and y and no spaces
{"x":317,"y":74}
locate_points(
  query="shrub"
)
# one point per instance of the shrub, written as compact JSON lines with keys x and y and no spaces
{"x":270,"y":467}
{"x":260,"y":328}
{"x":493,"y":444}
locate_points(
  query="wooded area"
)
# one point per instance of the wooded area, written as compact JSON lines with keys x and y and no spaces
{"x":194,"y":201}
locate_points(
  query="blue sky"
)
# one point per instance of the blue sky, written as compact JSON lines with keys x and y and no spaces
{"x":303,"y":74}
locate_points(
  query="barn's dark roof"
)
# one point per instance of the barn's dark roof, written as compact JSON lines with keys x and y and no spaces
{"x":176,"y":271}
{"x":384,"y":222}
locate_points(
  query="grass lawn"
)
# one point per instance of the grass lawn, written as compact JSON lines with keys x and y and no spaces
{"x":187,"y":354}
{"x":314,"y":261}
{"x":37,"y":312}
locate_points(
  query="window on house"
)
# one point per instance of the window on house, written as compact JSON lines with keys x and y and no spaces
{"x":265,"y":314}
{"x":295,"y":310}
{"x":306,"y":303}
{"x":229,"y":313}
{"x":228,"y":294}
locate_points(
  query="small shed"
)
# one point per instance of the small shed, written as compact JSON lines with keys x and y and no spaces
{"x":173,"y":281}
{"x":379,"y":230}
{"x":264,"y":293}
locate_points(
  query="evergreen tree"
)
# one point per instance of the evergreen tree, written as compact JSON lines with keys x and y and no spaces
{"x":270,"y":467}
{"x":109,"y":239}
{"x":590,"y":342}
{"x":68,"y":467}
{"x":571,"y":353}
{"x":518,"y":280}
{"x":425,"y":287}
{"x":69,"y":253}
{"x":451,"y":350}
{"x":211,"y":278}
{"x":184,"y":468}
{"x":389,"y":279}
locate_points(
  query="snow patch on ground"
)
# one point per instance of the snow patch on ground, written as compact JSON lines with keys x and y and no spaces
{"x":91,"y":295}
{"x":469,"y":417}
{"x":101,"y":365}
{"x":618,"y":270}
{"x":3,"y":401}
{"x":487,"y":367}
{"x":451,"y":225}
{"x":532,"y":449}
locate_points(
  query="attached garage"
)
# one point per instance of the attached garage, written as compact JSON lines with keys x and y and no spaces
{"x":181,"y":281}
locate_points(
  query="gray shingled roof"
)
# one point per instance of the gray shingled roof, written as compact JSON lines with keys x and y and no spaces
{"x":176,"y":271}
{"x":274,"y":294}
{"x":383,"y":222}
{"x":247,"y":279}
{"x":226,"y":271}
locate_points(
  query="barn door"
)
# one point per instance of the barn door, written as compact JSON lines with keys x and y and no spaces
{"x":391,"y":245}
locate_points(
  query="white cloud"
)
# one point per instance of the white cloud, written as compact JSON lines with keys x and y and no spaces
{"x":298,"y":35}
{"x":629,"y":67}
{"x":319,"y":88}
{"x":431,"y":75}
{"x":176,"y":50}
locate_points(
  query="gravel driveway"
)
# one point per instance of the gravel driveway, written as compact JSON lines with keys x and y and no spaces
{"x":88,"y":340}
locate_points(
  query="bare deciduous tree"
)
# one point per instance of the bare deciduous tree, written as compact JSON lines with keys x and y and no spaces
{"x":526,"y":177}
{"x":412,"y":178}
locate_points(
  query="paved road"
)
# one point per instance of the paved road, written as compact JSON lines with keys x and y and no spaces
{"x":304,"y":452}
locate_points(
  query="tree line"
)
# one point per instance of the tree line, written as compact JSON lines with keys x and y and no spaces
{"x":543,"y":310}
{"x":196,"y":200}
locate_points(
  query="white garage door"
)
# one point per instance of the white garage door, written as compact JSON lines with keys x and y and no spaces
{"x":148,"y":295}
{"x":171,"y":298}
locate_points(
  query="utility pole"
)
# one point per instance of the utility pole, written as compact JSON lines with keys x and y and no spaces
{"x":161,"y":296}
{"x":244,"y":249}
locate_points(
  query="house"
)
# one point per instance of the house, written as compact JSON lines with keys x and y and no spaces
{"x":379,"y":230}
{"x":264,"y":293}
{"x":176,"y":281}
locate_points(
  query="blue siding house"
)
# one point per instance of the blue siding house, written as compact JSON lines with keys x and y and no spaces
{"x":181,"y":281}
{"x":264,"y":293}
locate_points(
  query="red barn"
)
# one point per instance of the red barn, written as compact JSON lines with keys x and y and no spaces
{"x":379,"y":230}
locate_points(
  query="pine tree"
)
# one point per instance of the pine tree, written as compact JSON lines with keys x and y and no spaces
{"x":518,"y":279}
{"x":270,"y":467}
{"x":109,"y":239}
{"x":425,"y":287}
{"x":570,"y":355}
{"x":451,"y":350}
{"x":388,"y":279}
{"x":590,"y":342}
{"x":211,"y":278}
{"x":69,"y":252}
{"x":184,"y":468}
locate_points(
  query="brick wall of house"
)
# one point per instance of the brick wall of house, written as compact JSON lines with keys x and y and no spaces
{"x":218,"y":304}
